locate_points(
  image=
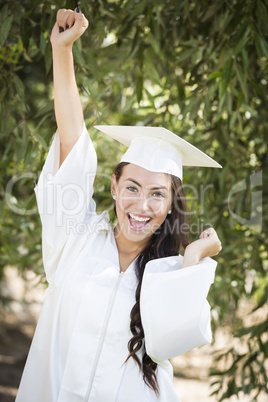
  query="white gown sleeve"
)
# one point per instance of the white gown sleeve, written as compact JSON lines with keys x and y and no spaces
{"x":175,"y":313}
{"x":64,"y":194}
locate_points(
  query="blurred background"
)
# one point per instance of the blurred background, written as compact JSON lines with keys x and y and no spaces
{"x":198,"y":68}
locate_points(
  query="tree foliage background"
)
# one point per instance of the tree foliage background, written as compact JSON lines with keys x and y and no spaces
{"x":198,"y":68}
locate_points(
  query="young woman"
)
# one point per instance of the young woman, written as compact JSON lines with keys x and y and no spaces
{"x":120,"y":301}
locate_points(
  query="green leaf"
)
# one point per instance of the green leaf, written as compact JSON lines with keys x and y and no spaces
{"x":192,"y":43}
{"x":215,"y":74}
{"x":5,"y":28}
{"x":233,"y":119}
{"x":43,"y":43}
{"x":241,"y":44}
{"x":155,"y":45}
{"x":245,"y":61}
{"x":139,"y":88}
{"x":186,"y":54}
{"x":151,"y":98}
{"x":48,"y":58}
{"x":242,"y":80}
{"x":41,"y":140}
{"x":263,"y":45}
{"x":27,"y":154}
{"x":46,"y":109}
{"x":210,"y":12}
{"x":227,"y":70}
{"x":19,"y":86}
{"x":151,"y":69}
{"x":92,"y":63}
{"x":77,"y":52}
{"x":139,"y":8}
{"x":226,"y":76}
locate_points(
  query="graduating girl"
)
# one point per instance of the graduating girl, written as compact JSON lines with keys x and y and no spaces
{"x":121,"y":301}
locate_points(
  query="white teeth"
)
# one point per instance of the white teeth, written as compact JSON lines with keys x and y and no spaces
{"x":138,"y":218}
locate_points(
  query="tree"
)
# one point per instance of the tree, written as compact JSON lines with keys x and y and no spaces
{"x":198,"y":68}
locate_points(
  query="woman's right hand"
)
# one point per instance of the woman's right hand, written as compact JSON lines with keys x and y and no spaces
{"x":72,"y":25}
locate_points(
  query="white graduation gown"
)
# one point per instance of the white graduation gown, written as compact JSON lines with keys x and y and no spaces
{"x":80,"y":344}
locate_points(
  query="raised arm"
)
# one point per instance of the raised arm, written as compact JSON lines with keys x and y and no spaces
{"x":70,"y":25}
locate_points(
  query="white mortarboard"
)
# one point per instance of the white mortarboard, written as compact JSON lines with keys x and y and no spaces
{"x":157,"y":149}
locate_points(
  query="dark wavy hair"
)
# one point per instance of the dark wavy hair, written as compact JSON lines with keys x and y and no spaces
{"x":166,"y":241}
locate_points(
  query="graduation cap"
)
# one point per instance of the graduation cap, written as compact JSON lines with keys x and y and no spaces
{"x":157,"y":149}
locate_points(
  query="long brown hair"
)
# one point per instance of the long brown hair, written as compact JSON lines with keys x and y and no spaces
{"x":166,"y":241}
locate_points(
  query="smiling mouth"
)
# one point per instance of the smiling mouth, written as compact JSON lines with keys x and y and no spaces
{"x":137,"y":222}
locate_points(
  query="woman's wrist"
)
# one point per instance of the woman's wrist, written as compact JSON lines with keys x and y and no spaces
{"x":191,"y":257}
{"x":61,"y":49}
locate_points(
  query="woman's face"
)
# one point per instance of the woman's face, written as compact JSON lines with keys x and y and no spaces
{"x":143,"y":199}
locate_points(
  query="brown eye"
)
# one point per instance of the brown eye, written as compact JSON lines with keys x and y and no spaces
{"x":132,"y":189}
{"x":157,"y":194}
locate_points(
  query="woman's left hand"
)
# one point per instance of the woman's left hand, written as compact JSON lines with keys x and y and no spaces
{"x":208,"y":245}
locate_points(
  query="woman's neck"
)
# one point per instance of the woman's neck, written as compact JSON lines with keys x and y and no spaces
{"x":126,"y":247}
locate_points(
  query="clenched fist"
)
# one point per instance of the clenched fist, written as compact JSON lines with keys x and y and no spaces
{"x":69,"y":26}
{"x":208,"y":245}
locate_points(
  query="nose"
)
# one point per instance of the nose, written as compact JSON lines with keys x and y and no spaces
{"x":143,"y":203}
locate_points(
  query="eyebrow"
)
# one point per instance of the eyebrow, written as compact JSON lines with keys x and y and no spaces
{"x":153,"y":188}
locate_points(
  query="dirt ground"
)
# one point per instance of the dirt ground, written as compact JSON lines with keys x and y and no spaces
{"x":23,"y":301}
